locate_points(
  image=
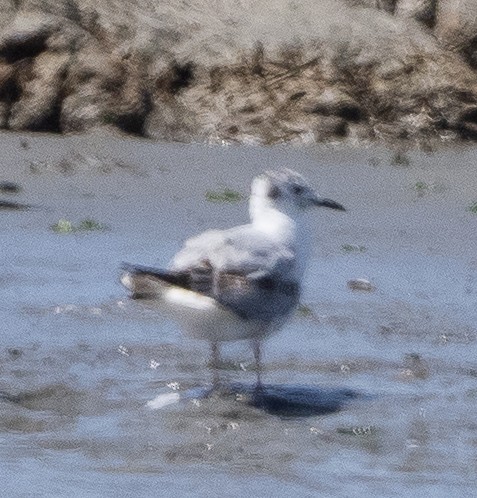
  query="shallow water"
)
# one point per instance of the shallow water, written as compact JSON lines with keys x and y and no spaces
{"x":79,"y":361}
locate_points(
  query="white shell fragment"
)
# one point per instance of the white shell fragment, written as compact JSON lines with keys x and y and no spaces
{"x":360,"y":284}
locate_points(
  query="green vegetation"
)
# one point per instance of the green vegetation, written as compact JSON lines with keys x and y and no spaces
{"x":109,"y":118}
{"x":89,"y":224}
{"x":353,"y":248}
{"x":400,"y":159}
{"x":304,"y":310}
{"x":473,"y":208}
{"x":62,"y":226}
{"x":226,"y":195}
{"x":357,"y":431}
{"x":86,"y":225}
{"x":424,"y":188}
{"x":421,"y":187}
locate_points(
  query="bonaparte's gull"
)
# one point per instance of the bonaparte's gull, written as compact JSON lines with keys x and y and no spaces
{"x":244,"y":282}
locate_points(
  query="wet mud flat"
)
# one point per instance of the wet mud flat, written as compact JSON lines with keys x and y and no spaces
{"x":79,"y":362}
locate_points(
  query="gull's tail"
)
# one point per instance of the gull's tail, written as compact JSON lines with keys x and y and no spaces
{"x":149,"y":283}
{"x":170,"y":292}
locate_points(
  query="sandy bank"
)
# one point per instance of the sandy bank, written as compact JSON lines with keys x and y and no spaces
{"x":241,"y":71}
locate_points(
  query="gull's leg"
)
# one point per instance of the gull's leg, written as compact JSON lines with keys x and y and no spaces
{"x":258,"y":362}
{"x":215,"y":364}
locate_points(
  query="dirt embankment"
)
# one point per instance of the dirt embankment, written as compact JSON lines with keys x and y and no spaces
{"x":241,"y":71}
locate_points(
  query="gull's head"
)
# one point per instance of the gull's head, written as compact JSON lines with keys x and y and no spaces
{"x":286,"y":191}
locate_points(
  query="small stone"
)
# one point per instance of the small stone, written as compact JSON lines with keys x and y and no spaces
{"x":360,"y":284}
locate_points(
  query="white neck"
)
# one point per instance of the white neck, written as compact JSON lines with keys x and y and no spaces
{"x":284,"y":224}
{"x":271,"y":220}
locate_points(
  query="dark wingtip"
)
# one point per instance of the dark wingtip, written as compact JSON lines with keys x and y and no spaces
{"x":126,"y":266}
{"x":136,"y":269}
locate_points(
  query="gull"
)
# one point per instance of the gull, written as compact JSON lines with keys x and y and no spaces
{"x":242,"y":283}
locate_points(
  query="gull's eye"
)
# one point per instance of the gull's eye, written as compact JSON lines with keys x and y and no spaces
{"x":274,"y":192}
{"x":297,"y":189}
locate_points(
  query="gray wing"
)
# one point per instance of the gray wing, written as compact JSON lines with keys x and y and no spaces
{"x":242,"y":270}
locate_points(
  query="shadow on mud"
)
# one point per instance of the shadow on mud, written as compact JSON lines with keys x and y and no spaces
{"x":296,"y":400}
{"x":283,"y":400}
